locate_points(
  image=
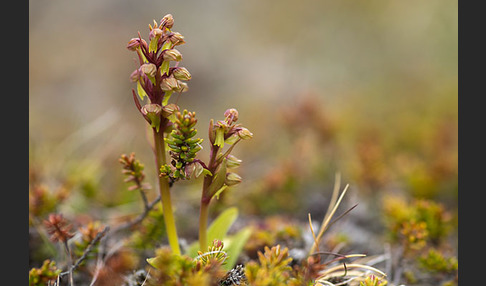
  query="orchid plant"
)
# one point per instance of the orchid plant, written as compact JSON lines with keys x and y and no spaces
{"x":158,"y":76}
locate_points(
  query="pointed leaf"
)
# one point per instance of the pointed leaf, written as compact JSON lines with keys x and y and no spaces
{"x":221,"y":225}
{"x":152,"y":261}
{"x":234,"y":245}
{"x":217,"y":230}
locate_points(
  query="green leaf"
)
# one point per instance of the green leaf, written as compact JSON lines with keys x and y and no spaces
{"x":217,"y":230}
{"x":221,"y":225}
{"x":192,"y":249}
{"x":152,"y":261}
{"x":234,"y":245}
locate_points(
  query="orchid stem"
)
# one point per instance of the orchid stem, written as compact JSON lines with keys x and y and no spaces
{"x":165,"y":193}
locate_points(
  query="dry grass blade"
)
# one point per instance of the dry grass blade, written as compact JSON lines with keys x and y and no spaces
{"x":355,"y":272}
{"x":331,"y":210}
{"x":335,"y":192}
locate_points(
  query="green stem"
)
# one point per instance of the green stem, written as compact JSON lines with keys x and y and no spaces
{"x":203,"y":226}
{"x":206,"y":199}
{"x":165,"y":192}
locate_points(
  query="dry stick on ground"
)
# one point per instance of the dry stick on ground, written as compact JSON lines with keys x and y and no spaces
{"x":86,"y":252}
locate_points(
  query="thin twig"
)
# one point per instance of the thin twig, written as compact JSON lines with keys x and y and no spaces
{"x":398,"y":269}
{"x":138,"y":219}
{"x":389,"y":260}
{"x":144,"y":198}
{"x":70,"y":261}
{"x":88,"y":249}
{"x":99,"y":263}
{"x":339,"y":255}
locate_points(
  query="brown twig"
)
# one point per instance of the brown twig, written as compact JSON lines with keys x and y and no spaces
{"x":129,"y":224}
{"x":87,"y":251}
{"x":70,"y":261}
{"x":341,"y":216}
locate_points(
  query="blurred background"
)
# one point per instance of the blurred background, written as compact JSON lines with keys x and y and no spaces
{"x":366,"y":89}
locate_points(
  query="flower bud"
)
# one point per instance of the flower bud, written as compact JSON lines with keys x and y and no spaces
{"x":189,"y":170}
{"x":133,"y":44}
{"x":167,"y":21}
{"x":172,"y":55}
{"x":176,"y":39}
{"x":135,"y":76}
{"x":182,"y":87}
{"x":245,"y":133}
{"x":181,"y":73}
{"x":151,"y":108}
{"x":169,"y":84}
{"x":218,"y":243}
{"x":155,"y":33}
{"x":169,"y":109}
{"x":231,"y":115}
{"x":212,"y":131}
{"x":149,"y":69}
{"x":198,"y":170}
{"x":232,"y":139}
{"x":152,"y":111}
{"x":232,"y":179}
{"x":165,"y":171}
{"x":232,"y":161}
{"x":222,"y":124}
